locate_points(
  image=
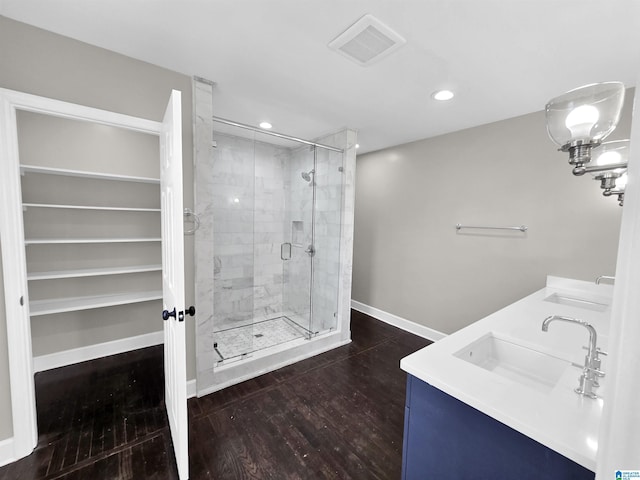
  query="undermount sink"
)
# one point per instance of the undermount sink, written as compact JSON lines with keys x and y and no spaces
{"x":514,"y":361}
{"x":576,"y":302}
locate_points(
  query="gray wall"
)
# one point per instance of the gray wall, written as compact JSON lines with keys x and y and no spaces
{"x":42,"y":63}
{"x":408,"y":258}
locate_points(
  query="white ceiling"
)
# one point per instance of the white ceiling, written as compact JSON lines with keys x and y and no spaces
{"x":270,"y":58}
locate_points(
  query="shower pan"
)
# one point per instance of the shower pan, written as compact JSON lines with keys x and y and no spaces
{"x":272,"y":229}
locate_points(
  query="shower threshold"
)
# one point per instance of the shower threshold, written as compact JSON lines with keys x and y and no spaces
{"x":235,"y":343}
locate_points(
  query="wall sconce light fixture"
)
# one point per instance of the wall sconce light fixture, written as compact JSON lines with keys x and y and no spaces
{"x":609,"y":163}
{"x":579,"y":121}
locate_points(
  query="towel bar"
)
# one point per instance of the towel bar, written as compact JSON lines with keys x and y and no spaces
{"x":522,"y":228}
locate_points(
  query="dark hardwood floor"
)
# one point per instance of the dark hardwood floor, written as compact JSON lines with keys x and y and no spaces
{"x":101,"y":419}
{"x":338,"y":415}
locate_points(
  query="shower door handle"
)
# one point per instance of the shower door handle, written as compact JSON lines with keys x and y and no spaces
{"x":285,"y":251}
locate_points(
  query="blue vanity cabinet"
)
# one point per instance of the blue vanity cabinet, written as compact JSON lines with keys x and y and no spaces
{"x":446,"y":438}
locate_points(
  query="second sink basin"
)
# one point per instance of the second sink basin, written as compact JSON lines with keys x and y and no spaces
{"x":576,"y":302}
{"x":514,"y":361}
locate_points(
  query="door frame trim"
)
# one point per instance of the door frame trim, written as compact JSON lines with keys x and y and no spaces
{"x":21,"y":371}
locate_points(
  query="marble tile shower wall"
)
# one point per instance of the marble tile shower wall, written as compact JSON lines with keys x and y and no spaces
{"x":248,"y":198}
{"x":270,"y":194}
{"x":232,"y":197}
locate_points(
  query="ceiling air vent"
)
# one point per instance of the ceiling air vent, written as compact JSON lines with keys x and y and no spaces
{"x":367,"y":41}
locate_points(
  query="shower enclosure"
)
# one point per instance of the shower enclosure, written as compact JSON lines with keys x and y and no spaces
{"x":276,"y":240}
{"x":270,"y":251}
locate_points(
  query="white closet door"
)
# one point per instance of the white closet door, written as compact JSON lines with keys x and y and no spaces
{"x":175,"y":366}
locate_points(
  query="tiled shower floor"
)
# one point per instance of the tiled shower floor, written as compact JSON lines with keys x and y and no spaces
{"x":235,"y":342}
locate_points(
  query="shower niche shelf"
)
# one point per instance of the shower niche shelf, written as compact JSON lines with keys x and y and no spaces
{"x":297,"y":233}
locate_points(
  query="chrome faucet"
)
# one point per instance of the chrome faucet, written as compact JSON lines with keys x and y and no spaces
{"x":591,"y":369}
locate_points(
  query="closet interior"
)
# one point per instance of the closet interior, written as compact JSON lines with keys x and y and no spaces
{"x":91,"y":211}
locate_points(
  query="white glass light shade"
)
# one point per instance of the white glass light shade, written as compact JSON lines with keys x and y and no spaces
{"x":621,"y":182}
{"x":442,"y":95}
{"x":586,"y":114}
{"x":610,"y":153}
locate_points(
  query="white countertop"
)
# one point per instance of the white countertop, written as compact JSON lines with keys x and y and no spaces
{"x":559,"y":418}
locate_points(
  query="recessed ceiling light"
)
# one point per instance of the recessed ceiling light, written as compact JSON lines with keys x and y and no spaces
{"x":442,"y":95}
{"x":265,"y":125}
{"x":357,"y":145}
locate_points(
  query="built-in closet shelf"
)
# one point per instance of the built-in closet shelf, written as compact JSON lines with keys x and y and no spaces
{"x":89,"y":207}
{"x":63,"y":241}
{"x":84,"y":174}
{"x":73,"y":304}
{"x":93,"y":272}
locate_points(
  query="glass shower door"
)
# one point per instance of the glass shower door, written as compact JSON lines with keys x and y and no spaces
{"x":329,"y":180}
{"x":299,"y":232}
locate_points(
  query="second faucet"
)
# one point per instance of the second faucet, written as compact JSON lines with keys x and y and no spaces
{"x":591,"y":370}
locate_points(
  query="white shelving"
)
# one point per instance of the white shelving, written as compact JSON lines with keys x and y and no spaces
{"x":73,"y":304}
{"x":60,"y":241}
{"x":92,"y":272}
{"x":85,"y":174}
{"x":88,"y":207}
{"x":56,"y":206}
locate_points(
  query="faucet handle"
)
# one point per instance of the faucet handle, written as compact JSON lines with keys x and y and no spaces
{"x":595,"y":371}
{"x":598,"y":351}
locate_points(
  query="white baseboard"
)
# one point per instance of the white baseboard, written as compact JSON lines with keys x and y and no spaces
{"x":91,"y":352}
{"x":77,"y":355}
{"x":192,"y":391}
{"x":7,"y":454}
{"x":402,"y":323}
